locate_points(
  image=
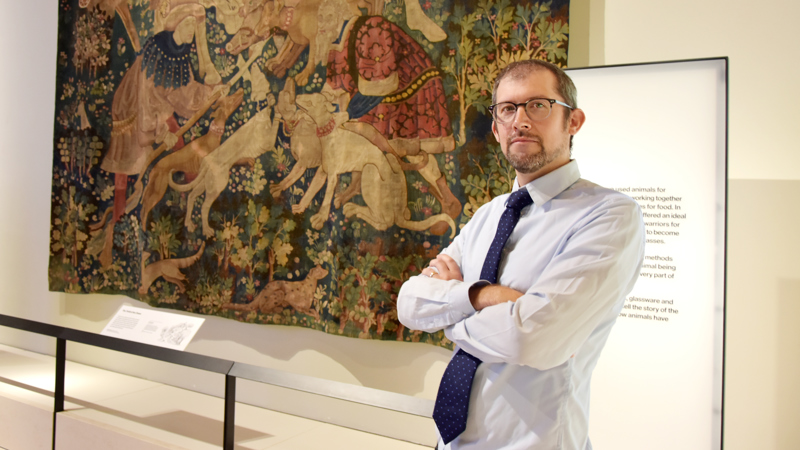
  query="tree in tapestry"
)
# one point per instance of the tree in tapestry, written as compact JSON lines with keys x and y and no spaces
{"x":278,"y":162}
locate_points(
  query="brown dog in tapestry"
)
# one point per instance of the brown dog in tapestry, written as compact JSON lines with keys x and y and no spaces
{"x":280,"y":294}
{"x":188,"y":158}
{"x":168,"y":269}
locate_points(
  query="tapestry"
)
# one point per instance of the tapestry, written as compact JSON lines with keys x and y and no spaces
{"x":278,"y":161}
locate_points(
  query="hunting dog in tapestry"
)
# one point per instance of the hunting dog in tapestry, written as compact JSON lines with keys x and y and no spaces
{"x":188,"y":159}
{"x":279,"y":294}
{"x":168,"y":269}
{"x":383,"y":182}
{"x":251,"y":140}
{"x":306,"y":146}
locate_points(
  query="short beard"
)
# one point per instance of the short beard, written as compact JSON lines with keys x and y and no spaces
{"x":526,"y":163}
{"x":529,"y":163}
{"x":533,"y":163}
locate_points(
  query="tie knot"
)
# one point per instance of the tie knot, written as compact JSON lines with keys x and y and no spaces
{"x":519,"y":199}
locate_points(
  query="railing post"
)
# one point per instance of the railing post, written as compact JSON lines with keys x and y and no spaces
{"x":58,"y":393}
{"x":230,"y":412}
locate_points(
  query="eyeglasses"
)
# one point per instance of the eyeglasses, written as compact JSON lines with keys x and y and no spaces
{"x":535,"y":108}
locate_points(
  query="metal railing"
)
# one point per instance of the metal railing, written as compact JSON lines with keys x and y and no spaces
{"x":232,"y":371}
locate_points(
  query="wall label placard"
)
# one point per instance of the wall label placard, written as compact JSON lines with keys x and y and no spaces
{"x":153,"y":327}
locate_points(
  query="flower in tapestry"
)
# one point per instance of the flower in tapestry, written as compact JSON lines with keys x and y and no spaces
{"x":278,"y":162}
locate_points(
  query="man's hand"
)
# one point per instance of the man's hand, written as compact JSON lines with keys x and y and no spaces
{"x":444,"y":268}
{"x":492,"y":294}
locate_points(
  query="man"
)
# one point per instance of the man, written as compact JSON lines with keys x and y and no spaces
{"x":159,"y":83}
{"x":571,"y":258}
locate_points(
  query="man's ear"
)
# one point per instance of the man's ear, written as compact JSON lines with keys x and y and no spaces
{"x":494,"y":131}
{"x":576,"y":120}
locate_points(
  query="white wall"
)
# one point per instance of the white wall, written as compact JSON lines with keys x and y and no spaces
{"x":764,"y":273}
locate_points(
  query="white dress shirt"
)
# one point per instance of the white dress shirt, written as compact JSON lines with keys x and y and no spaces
{"x":575,"y":253}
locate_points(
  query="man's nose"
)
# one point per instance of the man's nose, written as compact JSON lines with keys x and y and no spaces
{"x":521,"y":119}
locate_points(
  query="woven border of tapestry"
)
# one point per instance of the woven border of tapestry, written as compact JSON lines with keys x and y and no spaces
{"x":278,"y":162}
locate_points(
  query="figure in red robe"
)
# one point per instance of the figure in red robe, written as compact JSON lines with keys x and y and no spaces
{"x":392,"y":85}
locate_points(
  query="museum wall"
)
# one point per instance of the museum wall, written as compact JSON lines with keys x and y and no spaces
{"x":763,"y":289}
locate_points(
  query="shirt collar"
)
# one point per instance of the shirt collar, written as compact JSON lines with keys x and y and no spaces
{"x":544,"y":188}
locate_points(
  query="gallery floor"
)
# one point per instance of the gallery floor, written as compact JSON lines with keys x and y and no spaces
{"x":107,"y":410}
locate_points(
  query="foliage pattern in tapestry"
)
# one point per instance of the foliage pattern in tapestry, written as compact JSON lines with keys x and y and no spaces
{"x":278,"y":162}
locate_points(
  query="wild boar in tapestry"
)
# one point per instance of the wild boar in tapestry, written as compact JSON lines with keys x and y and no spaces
{"x":278,"y":161}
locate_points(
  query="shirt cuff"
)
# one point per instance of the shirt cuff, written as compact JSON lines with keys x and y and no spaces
{"x":458,"y":298}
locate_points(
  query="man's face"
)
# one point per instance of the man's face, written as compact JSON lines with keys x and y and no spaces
{"x":535,"y":148}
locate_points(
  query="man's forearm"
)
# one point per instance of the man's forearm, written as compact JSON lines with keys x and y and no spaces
{"x":492,"y":294}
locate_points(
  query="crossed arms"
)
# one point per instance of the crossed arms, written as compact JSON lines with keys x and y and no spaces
{"x":480,"y":295}
{"x":575,"y":289}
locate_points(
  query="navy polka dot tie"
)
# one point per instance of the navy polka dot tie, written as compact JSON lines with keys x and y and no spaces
{"x":452,"y":401}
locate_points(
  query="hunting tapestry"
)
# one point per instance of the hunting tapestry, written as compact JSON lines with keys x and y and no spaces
{"x":278,"y":162}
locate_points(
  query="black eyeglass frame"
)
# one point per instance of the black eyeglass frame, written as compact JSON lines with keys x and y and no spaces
{"x":517,"y":105}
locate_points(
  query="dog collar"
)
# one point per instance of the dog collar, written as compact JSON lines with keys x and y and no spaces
{"x":327,"y":129}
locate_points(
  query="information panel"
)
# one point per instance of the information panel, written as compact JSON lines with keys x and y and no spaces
{"x":149,"y":326}
{"x":657,"y":132}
